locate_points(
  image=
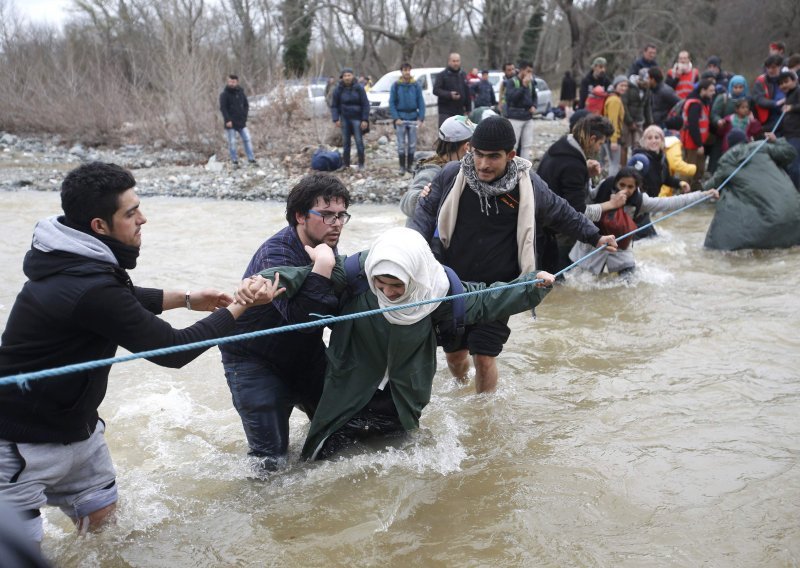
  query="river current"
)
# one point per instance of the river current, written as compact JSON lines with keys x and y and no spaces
{"x":649,"y":423}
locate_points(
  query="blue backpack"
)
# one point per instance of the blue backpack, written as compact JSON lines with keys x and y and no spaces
{"x":357,"y":284}
{"x":326,"y":160}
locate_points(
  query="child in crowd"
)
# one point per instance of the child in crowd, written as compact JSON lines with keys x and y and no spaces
{"x":673,"y":149}
{"x":381,"y":368}
{"x":624,"y":190}
{"x":741,"y":119}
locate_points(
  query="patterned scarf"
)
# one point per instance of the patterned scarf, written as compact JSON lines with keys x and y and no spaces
{"x":499,"y":186}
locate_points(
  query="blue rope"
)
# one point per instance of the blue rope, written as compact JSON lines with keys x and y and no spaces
{"x":22,"y":379}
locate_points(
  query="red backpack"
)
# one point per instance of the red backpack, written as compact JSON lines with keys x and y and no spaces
{"x":596,"y":101}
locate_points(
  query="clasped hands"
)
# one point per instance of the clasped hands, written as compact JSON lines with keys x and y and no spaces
{"x":257,"y":290}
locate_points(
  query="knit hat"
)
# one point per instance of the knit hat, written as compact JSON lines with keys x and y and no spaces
{"x":736,"y":136}
{"x":617,"y":80}
{"x":640,"y":163}
{"x":345,"y":70}
{"x":576,"y":116}
{"x":494,"y":133}
{"x":456,"y":129}
{"x":714,"y":60}
{"x":599,"y":61}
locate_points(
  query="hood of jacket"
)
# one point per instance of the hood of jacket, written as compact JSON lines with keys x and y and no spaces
{"x":57,"y":248}
{"x":566,"y":146}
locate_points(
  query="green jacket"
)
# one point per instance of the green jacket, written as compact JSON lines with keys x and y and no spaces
{"x":363,"y":350}
{"x":760,"y":206}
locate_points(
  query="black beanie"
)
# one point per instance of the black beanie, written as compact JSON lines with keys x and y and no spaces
{"x":494,"y":133}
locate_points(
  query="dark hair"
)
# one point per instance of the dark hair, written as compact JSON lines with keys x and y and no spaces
{"x":235,"y":77}
{"x":649,"y":46}
{"x":92,"y":191}
{"x":405,"y":65}
{"x":778,"y":45}
{"x":708,"y":74}
{"x":743,"y":101}
{"x":591,"y":125}
{"x":444,"y":149}
{"x":773,"y":60}
{"x":655,"y":74}
{"x":628,"y":172}
{"x":524,"y":65}
{"x":705,"y":84}
{"x":305,"y":193}
{"x":793,"y":61}
{"x":506,"y":65}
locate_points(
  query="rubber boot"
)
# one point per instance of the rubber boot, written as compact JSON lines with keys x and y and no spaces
{"x":360,"y":162}
{"x":346,"y":161}
{"x":402,"y":159}
{"x":410,"y":163}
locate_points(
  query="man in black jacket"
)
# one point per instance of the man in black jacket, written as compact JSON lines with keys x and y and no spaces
{"x":350,"y":112}
{"x":596,"y":76}
{"x":521,"y":101}
{"x":486,"y":212}
{"x":452,"y":90}
{"x":234,"y":107}
{"x":78,"y":305}
{"x":567,"y":167}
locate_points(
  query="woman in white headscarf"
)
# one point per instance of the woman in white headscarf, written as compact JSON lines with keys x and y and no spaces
{"x":381,"y":368}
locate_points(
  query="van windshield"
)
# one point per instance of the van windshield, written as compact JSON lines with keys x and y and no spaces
{"x":385,"y":83}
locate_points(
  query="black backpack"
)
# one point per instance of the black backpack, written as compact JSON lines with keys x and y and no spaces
{"x":357,"y":284}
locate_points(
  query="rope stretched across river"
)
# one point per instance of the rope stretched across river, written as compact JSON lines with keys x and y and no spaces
{"x":22,"y":379}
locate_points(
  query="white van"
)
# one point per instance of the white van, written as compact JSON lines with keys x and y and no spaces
{"x":378,"y":95}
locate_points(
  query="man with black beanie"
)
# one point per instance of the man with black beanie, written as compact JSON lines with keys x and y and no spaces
{"x":489,"y":211}
{"x":78,"y":305}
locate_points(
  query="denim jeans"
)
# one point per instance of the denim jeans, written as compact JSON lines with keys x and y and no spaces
{"x":248,"y":146}
{"x":352,"y":127}
{"x":406,"y":137}
{"x":264,"y":402}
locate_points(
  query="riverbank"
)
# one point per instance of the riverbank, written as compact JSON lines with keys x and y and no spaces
{"x":40,"y":163}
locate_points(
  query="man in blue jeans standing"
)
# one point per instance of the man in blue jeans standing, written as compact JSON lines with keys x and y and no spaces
{"x":350,"y":112}
{"x":234,"y":107}
{"x":408,"y":112}
{"x":270,"y":375}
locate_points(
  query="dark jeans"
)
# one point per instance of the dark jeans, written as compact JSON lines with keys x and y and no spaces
{"x":352,"y":128}
{"x":379,"y":419}
{"x":264,"y":401}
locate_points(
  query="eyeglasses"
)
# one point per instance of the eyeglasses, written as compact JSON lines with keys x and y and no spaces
{"x":331,"y":218}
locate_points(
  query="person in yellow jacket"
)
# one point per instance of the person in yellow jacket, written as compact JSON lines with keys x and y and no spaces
{"x":673,"y":149}
{"x":614,"y":111}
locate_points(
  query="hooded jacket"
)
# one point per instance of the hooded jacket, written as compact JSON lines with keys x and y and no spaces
{"x":78,"y":305}
{"x":363,"y":351}
{"x":563,"y":168}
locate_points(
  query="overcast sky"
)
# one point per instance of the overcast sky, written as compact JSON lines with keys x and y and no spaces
{"x":41,"y":11}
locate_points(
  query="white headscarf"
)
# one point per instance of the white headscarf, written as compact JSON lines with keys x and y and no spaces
{"x":404,"y":254}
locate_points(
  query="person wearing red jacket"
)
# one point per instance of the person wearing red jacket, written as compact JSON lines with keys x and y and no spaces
{"x":694,"y":134}
{"x":683,"y":76}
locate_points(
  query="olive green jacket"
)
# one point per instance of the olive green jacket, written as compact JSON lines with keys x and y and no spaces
{"x":362,"y":351}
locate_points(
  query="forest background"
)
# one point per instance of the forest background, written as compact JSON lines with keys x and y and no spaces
{"x":137,"y":70}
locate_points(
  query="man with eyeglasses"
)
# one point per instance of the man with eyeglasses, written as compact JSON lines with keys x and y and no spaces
{"x":268,"y":376}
